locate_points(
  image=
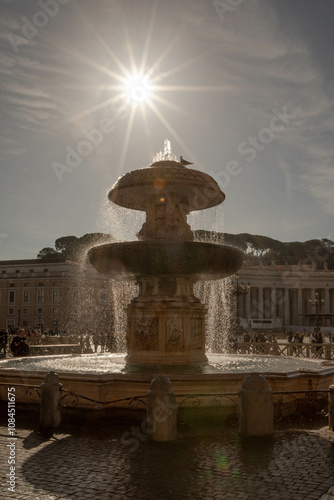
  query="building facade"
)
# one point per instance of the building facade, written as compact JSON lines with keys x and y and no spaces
{"x":285,"y":296}
{"x":58,"y":296}
{"x":51,"y":296}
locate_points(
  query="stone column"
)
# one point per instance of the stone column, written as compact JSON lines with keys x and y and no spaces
{"x":331,"y":408}
{"x":248,"y":305}
{"x":300,"y":306}
{"x":313,"y":295}
{"x":256,"y":407}
{"x":50,"y":405}
{"x":260,"y":303}
{"x":273,"y":303}
{"x":161,"y":410}
{"x":326,"y":303}
{"x":286,"y":307}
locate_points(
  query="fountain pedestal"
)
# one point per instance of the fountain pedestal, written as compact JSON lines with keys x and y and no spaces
{"x":166,"y":323}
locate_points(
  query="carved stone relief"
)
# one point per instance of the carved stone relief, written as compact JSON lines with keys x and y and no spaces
{"x":174,"y":335}
{"x":146,"y":334}
{"x":195,"y":334}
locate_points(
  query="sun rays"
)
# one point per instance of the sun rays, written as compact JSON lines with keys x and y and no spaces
{"x":135,"y":87}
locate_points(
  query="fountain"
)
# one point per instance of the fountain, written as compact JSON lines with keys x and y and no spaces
{"x":166,"y":322}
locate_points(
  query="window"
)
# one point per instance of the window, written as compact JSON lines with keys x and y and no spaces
{"x":25,"y":296}
{"x":12,"y":285}
{"x":55,"y":295}
{"x":25,"y":323}
{"x":39,"y":310}
{"x":55,"y":310}
{"x":25,"y":310}
{"x":40,"y":284}
{"x":17,"y":271}
{"x":10,"y":310}
{"x":26,"y":284}
{"x":40,"y":296}
{"x":11,"y":296}
{"x":102,"y":297}
{"x":3,"y":272}
{"x":31,"y":270}
{"x":46,"y":270}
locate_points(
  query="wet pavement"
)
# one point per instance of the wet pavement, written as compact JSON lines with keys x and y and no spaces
{"x":99,"y":461}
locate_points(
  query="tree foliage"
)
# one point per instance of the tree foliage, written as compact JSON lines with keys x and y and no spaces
{"x":262,"y":249}
{"x":72,"y":247}
{"x":258,"y":249}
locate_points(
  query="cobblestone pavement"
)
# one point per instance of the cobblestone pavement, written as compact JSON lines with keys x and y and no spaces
{"x":91,"y":462}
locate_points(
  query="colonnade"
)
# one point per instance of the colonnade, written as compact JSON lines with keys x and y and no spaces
{"x":293,"y":306}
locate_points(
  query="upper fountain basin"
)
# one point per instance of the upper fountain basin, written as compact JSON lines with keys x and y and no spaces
{"x":135,"y":259}
{"x":195,"y":190}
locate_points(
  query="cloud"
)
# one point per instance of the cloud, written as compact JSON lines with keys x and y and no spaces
{"x":272,"y":68}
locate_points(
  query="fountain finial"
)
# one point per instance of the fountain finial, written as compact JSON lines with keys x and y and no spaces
{"x":166,"y":154}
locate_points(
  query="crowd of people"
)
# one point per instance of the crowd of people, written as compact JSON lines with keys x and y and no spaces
{"x":99,"y":341}
{"x":16,"y":341}
{"x":298,"y":338}
{"x":315,"y":337}
{"x":18,"y":344}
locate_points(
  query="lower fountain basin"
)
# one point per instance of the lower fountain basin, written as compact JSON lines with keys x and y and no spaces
{"x":107,"y":385}
{"x":198,"y":260}
{"x":108,"y":364}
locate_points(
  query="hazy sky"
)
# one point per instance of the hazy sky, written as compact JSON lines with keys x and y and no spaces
{"x":244,"y":89}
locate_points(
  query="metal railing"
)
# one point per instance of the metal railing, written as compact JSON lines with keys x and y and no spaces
{"x":281,"y":400}
{"x":302,"y":350}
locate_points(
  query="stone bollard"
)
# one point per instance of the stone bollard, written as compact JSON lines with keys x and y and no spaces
{"x":50,"y":406}
{"x":256,"y":407}
{"x":161,"y":410}
{"x":331,"y":407}
{"x":328,"y":352}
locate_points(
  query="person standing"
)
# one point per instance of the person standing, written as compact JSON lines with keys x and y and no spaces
{"x":19,"y":347}
{"x":3,"y":341}
{"x":96,"y":340}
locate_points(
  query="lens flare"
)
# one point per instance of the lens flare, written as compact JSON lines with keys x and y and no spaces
{"x":138,"y":88}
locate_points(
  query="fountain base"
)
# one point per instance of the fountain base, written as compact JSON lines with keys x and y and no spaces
{"x":166,"y":323}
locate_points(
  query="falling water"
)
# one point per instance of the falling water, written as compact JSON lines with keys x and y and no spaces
{"x":99,"y":304}
{"x":123,"y":224}
{"x":121,"y":294}
{"x":217,"y":295}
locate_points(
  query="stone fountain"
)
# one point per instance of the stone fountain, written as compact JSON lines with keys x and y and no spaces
{"x":166,"y":322}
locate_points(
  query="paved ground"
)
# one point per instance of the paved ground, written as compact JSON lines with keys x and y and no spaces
{"x":93,"y":462}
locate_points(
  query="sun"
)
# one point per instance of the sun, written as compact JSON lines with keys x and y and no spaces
{"x":138,"y":88}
